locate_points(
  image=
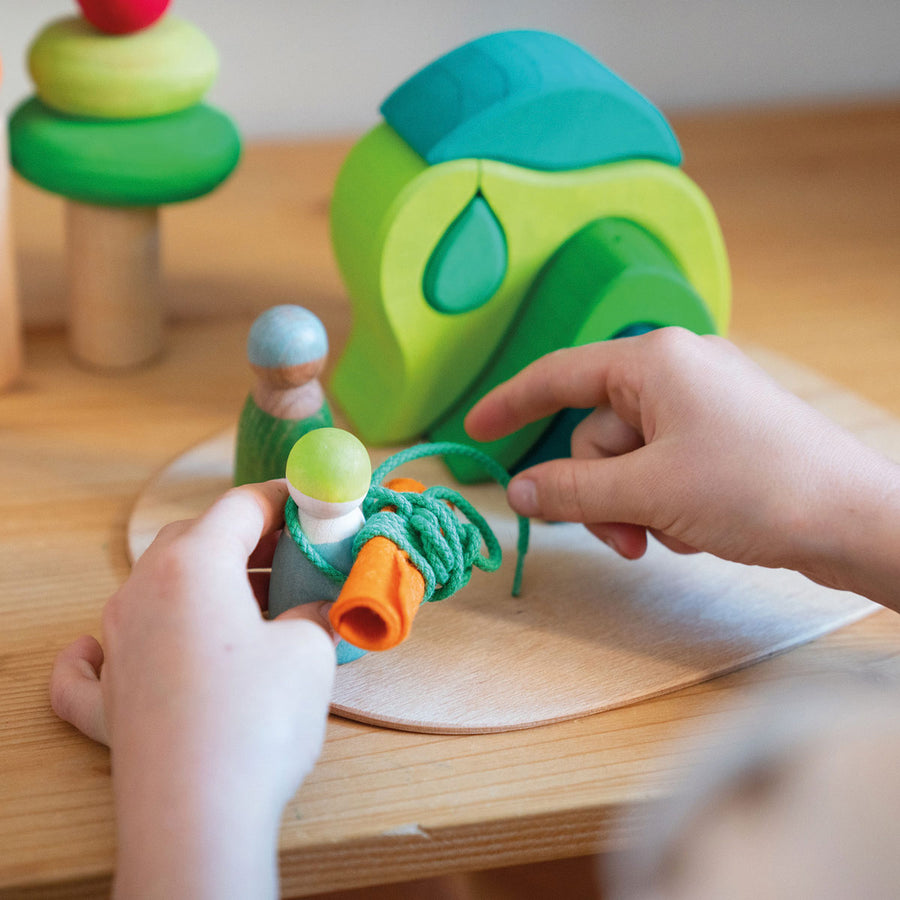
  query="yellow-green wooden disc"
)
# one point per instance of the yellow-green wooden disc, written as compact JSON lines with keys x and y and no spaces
{"x":82,"y":71}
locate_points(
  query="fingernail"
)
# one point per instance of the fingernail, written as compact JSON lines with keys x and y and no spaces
{"x":522,"y":495}
{"x":612,"y":544}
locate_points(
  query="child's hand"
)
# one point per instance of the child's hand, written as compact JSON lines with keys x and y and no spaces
{"x":213,"y":714}
{"x":694,"y":443}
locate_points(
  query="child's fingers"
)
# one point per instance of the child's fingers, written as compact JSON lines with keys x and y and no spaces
{"x":312,"y":612}
{"x":168,"y":533}
{"x":303,"y":666}
{"x":673,"y":544}
{"x":261,"y":557}
{"x":242,"y":515}
{"x":259,"y":584}
{"x":260,"y":565}
{"x":602,"y":433}
{"x":619,"y":489}
{"x":75,"y":693}
{"x":575,"y":377}
{"x":627,"y":540}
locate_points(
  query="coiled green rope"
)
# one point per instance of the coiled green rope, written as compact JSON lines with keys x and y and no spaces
{"x":439,"y":544}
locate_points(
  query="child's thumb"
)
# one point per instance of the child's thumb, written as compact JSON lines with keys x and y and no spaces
{"x":581,"y":490}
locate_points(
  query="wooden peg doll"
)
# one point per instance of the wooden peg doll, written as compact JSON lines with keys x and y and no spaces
{"x":328,"y":473}
{"x":286,"y":347}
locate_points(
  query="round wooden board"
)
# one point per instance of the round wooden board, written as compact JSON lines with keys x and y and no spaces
{"x":589,"y":632}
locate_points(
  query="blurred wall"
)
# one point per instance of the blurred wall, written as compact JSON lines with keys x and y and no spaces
{"x":297,"y":67}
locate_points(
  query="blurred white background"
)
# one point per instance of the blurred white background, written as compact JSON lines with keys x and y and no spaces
{"x":299,"y":68}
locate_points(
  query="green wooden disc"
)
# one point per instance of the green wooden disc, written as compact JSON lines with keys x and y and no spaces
{"x":140,"y":162}
{"x":81,"y":71}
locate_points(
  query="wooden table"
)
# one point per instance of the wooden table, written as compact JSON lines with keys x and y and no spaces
{"x":810,"y":205}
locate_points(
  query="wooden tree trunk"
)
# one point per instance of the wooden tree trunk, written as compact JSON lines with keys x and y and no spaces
{"x":115,"y":302}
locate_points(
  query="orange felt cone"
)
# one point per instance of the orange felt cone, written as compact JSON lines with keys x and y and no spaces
{"x":382,"y":593}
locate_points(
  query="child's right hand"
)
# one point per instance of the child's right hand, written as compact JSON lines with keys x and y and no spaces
{"x":693,"y":442}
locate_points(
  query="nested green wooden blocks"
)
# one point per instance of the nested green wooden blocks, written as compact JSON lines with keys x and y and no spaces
{"x":518,"y":198}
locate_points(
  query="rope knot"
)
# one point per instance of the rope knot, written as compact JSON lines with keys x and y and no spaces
{"x":443,"y":547}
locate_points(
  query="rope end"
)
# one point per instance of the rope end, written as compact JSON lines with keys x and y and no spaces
{"x":521,"y":550}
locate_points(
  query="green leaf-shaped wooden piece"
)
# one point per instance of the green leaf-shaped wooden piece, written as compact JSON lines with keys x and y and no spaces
{"x":469,"y":262}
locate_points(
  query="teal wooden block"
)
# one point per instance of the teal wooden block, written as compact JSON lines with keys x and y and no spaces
{"x":611,"y":275}
{"x":529,"y":98}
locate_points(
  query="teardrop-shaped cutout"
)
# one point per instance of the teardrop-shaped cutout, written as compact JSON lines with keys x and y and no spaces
{"x":469,"y":262}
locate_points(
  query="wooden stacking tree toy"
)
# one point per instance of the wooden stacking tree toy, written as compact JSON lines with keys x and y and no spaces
{"x":117,"y":127}
{"x":11,"y":354}
{"x":519,"y":197}
{"x":286,"y":348}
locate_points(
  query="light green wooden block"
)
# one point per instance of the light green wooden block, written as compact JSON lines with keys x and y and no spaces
{"x":388,"y":212}
{"x":541,"y":210}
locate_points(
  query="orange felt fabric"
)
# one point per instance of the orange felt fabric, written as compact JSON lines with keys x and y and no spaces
{"x":382,"y":593}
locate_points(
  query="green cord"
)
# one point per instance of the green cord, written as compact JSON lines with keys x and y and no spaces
{"x":439,"y":544}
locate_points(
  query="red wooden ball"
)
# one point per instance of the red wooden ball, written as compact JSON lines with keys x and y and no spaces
{"x":122,"y":16}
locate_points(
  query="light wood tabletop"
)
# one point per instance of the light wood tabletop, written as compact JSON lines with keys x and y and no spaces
{"x":809,"y":202}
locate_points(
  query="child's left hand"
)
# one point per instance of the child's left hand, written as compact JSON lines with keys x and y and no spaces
{"x":213,"y":714}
